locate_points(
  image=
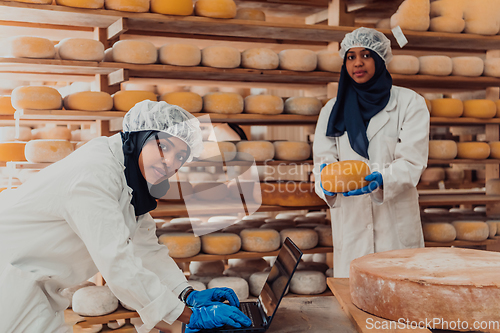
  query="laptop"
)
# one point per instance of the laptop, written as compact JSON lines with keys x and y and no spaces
{"x":262,"y":311}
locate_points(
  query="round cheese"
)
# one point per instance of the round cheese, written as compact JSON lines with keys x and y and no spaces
{"x":492,"y":67}
{"x":206,"y":268}
{"x":412,"y":15}
{"x":203,"y":279}
{"x":108,"y":55}
{"x":498,"y":225}
{"x":436,"y":211}
{"x":447,"y":107}
{"x":216,"y":8}
{"x":492,"y":226}
{"x":56,"y":133}
{"x":90,"y":4}
{"x":69,"y":292}
{"x":305,"y":239}
{"x":260,"y":58}
{"x":125,"y":100}
{"x":454,"y":174}
{"x":135,"y":6}
{"x":404,"y":64}
{"x":220,"y":243}
{"x":322,"y":215}
{"x":329,"y":61}
{"x":36,"y":97}
{"x":239,"y":285}
{"x":172,"y":7}
{"x":432,"y":175}
{"x":223,"y":219}
{"x":259,"y":264}
{"x":458,"y":210}
{"x":298,"y":60}
{"x":307,"y":106}
{"x":344,"y":176}
{"x":135,"y":52}
{"x":80,"y":49}
{"x":479,"y":108}
{"x":12,"y":151}
{"x":197,"y":285}
{"x":181,"y":245}
{"x":8,"y":133}
{"x":309,"y":265}
{"x":260,"y":240}
{"x":473,"y":150}
{"x":471,"y":230}
{"x":6,"y":107}
{"x":242,"y":272}
{"x":210,"y":191}
{"x":325,"y":237}
{"x":256,"y":282}
{"x":442,"y":149}
{"x":447,"y":24}
{"x":47,"y":151}
{"x":94,"y":301}
{"x":30,"y":47}
{"x":250,"y":14}
{"x":308,"y":283}
{"x":89,"y":101}
{"x":220,"y":57}
{"x":439,"y":232}
{"x":467,"y":66}
{"x":260,"y":151}
{"x":435,"y":65}
{"x":288,"y":194}
{"x":493,"y":186}
{"x":218,"y":151}
{"x":189,"y":101}
{"x":292,"y":150}
{"x":225,"y":103}
{"x":263,"y":104}
{"x":180,"y":54}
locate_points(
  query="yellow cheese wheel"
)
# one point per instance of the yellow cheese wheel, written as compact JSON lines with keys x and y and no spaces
{"x":479,"y":108}
{"x":135,"y":52}
{"x":216,"y":8}
{"x":180,"y":244}
{"x":473,"y":150}
{"x":287,"y":194}
{"x":125,"y":100}
{"x":412,"y":15}
{"x":292,"y":150}
{"x":8,"y":133}
{"x":90,"y":4}
{"x":259,"y":150}
{"x":189,"y":101}
{"x":6,"y":107}
{"x":226,"y":103}
{"x":492,"y":67}
{"x":263,"y":104}
{"x":404,"y":64}
{"x":80,"y":49}
{"x":135,"y":6}
{"x":260,"y":240}
{"x":344,"y":176}
{"x":493,"y":186}
{"x":36,"y":97}
{"x":329,"y":61}
{"x":89,"y":101}
{"x":447,"y":107}
{"x":447,"y":24}
{"x":260,"y":58}
{"x":220,"y":57}
{"x":212,"y":151}
{"x":307,"y":106}
{"x":497,"y":103}
{"x":180,"y":54}
{"x":492,"y":226}
{"x":220,"y":243}
{"x":172,"y":7}
{"x":305,"y":239}
{"x":495,"y":149}
{"x":298,"y":60}
{"x":432,"y":175}
{"x":435,"y":65}
{"x":12,"y":151}
{"x":56,"y":133}
{"x":41,"y":151}
{"x":442,"y":149}
{"x":467,"y":66}
{"x":325,"y":237}
{"x":471,"y":230}
{"x":439,"y":232}
{"x":30,"y":47}
{"x":250,"y":14}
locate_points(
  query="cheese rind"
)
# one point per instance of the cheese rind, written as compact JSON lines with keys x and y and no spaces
{"x":90,"y":4}
{"x":216,"y":8}
{"x":220,"y":56}
{"x":480,"y":108}
{"x":225,"y":103}
{"x":291,"y":150}
{"x":89,"y":101}
{"x":412,"y":15}
{"x":250,"y":14}
{"x":189,"y":101}
{"x":239,"y":285}
{"x":30,"y":47}
{"x":220,"y":243}
{"x":435,"y":65}
{"x":126,"y":99}
{"x":307,"y":106}
{"x":12,"y":151}
{"x":260,"y":58}
{"x":218,"y":151}
{"x":492,"y":67}
{"x":36,"y":97}
{"x":181,"y":245}
{"x":135,"y":6}
{"x":308,"y":283}
{"x":287,"y":194}
{"x":6,"y":107}
{"x":264,"y":104}
{"x":305,"y":239}
{"x":259,"y":150}
{"x":180,"y":55}
{"x":467,"y":66}
{"x":442,"y":149}
{"x":473,"y":150}
{"x":94,"y":301}
{"x":494,"y":149}
{"x":447,"y":107}
{"x":84,"y":49}
{"x":329,"y":61}
{"x":471,"y":230}
{"x":260,"y":240}
{"x":298,"y":60}
{"x":439,"y":232}
{"x":344,"y":176}
{"x":404,"y":64}
{"x":433,"y":175}
{"x":42,"y":151}
{"x":8,"y":133}
{"x":172,"y":7}
{"x":135,"y":52}
{"x":325,"y":237}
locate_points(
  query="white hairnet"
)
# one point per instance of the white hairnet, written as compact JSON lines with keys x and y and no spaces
{"x":370,"y":39}
{"x":171,"y":119}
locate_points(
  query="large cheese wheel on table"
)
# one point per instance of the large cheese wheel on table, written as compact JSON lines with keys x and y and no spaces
{"x":329,"y":61}
{"x":30,"y":47}
{"x":220,"y":57}
{"x":479,"y":108}
{"x":180,"y":55}
{"x":473,"y":150}
{"x":216,"y":8}
{"x":471,"y":230}
{"x":439,"y":232}
{"x":94,"y":301}
{"x":292,"y":150}
{"x":6,"y":107}
{"x":306,"y":106}
{"x":89,"y":101}
{"x":239,"y":285}
{"x":220,"y":243}
{"x":492,"y":67}
{"x":467,"y":66}
{"x":404,"y":64}
{"x":260,"y":240}
{"x":447,"y":107}
{"x":225,"y":103}
{"x":181,"y":245}
{"x":298,"y":60}
{"x":80,"y":49}
{"x":308,"y":283}
{"x":305,"y":239}
{"x":45,"y":151}
{"x":260,"y":58}
{"x":263,"y":104}
{"x":12,"y":151}
{"x":8,"y":133}
{"x":126,"y":99}
{"x":250,"y":14}
{"x":259,"y":150}
{"x":435,"y":65}
{"x":36,"y":97}
{"x":288,"y":194}
{"x":442,"y":149}
{"x":135,"y":6}
{"x":189,"y":101}
{"x":135,"y":52}
{"x":417,"y":284}
{"x":90,"y":4}
{"x":344,"y":176}
{"x":172,"y":7}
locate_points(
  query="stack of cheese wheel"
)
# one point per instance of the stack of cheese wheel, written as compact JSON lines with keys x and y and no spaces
{"x":180,"y":55}
{"x":124,"y":100}
{"x":216,"y":8}
{"x":260,"y":240}
{"x":80,"y":49}
{"x":473,"y":150}
{"x":305,"y":239}
{"x":435,"y":65}
{"x":492,"y":67}
{"x":260,"y":58}
{"x":264,"y":104}
{"x":298,"y":60}
{"x":250,"y":14}
{"x":288,"y":194}
{"x":36,"y":97}
{"x":29,"y":47}
{"x":442,"y":149}
{"x":259,"y":151}
{"x":220,"y":57}
{"x":329,"y":61}
{"x":220,"y":243}
{"x":471,"y":230}
{"x":135,"y":6}
{"x":135,"y":52}
{"x":344,"y":176}
{"x":181,"y":245}
{"x":404,"y":64}
{"x":433,"y":175}
{"x":292,"y":150}
{"x":307,"y":106}
{"x":6,"y":107}
{"x":467,"y":66}
{"x":224,"y":103}
{"x":172,"y":7}
{"x":89,"y":101}
{"x":47,"y":151}
{"x":187,"y":100}
{"x":447,"y":107}
{"x":479,"y":108}
{"x":89,"y":4}
{"x":218,"y":151}
{"x":439,"y":232}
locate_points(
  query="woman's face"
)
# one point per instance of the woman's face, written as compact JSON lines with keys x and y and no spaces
{"x":359,"y":64}
{"x":161,"y":158}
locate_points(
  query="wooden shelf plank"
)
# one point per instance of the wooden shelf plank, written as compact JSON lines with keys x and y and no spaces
{"x":233,"y":163}
{"x":463,"y":161}
{"x":53,"y":66}
{"x":445,"y":82}
{"x":455,"y":199}
{"x":463,"y":121}
{"x":489,"y":241}
{"x":256,"y":119}
{"x":70,"y":115}
{"x":27,"y":165}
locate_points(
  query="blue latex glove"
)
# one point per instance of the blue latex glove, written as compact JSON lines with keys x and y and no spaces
{"x":212,"y":296}
{"x":375,"y":180}
{"x":321,"y":167}
{"x":217,"y":315}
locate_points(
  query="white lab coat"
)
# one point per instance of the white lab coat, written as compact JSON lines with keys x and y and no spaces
{"x":388,"y":218}
{"x":70,"y":221}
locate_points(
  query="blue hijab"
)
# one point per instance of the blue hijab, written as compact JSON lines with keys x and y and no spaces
{"x":357,"y":103}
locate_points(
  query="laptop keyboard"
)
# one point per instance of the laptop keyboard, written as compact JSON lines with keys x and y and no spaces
{"x":245,"y":308}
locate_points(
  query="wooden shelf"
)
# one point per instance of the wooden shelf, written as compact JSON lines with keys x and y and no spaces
{"x":445,"y":82}
{"x":463,"y":161}
{"x":70,"y":115}
{"x":455,"y":199}
{"x":257,"y":119}
{"x":234,"y":163}
{"x":27,"y":165}
{"x":463,"y":243}
{"x":463,"y":121}
{"x":52,"y":66}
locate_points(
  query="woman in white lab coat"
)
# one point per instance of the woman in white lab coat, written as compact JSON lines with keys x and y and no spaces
{"x":387,"y":127}
{"x":89,"y":213}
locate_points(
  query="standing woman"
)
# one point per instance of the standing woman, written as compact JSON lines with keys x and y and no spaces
{"x":385,"y":126}
{"x":89,"y":213}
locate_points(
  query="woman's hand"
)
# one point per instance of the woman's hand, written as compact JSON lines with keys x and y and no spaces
{"x":322,"y":166}
{"x":212,"y":296}
{"x":217,"y":315}
{"x":375,"y":181}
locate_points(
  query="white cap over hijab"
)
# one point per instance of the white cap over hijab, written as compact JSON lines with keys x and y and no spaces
{"x":370,"y":39}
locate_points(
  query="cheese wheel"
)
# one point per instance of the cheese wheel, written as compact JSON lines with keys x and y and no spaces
{"x":90,"y":4}
{"x":181,"y":245}
{"x":307,"y":106}
{"x":325,"y":237}
{"x":317,"y":214}
{"x":447,"y":107}
{"x":344,"y":176}
{"x":292,"y":150}
{"x":473,"y":150}
{"x":492,"y":226}
{"x":305,"y":239}
{"x":329,"y":61}
{"x":471,"y":230}
{"x":493,"y":186}
{"x":216,"y":8}
{"x":69,"y":292}
{"x":220,"y":57}
{"x":8,"y":133}
{"x":108,"y":55}
{"x":30,"y":47}
{"x":442,"y":149}
{"x":223,"y":132}
{"x":242,"y":272}
{"x":404,"y":64}
{"x":135,"y":52}
{"x":56,"y":133}
{"x":432,"y":175}
{"x":210,"y":191}
{"x":220,"y":243}
{"x":125,"y":100}
{"x":436,"y":211}
{"x":495,"y":149}
{"x":172,"y":7}
{"x":447,"y":24}
{"x":308,"y":283}
{"x":435,"y":65}
{"x":135,"y":6}
{"x":479,"y":108}
{"x":263,"y":104}
{"x":12,"y":151}
{"x":259,"y":58}
{"x":256,"y":282}
{"x":298,"y":60}
{"x":492,"y":67}
{"x":197,"y":285}
{"x":94,"y":301}
{"x":189,"y":101}
{"x":225,"y":103}
{"x":218,"y":151}
{"x":259,"y":264}
{"x":80,"y":49}
{"x":467,"y":66}
{"x":260,"y":240}
{"x":288,"y":194}
{"x":203,"y":279}
{"x":180,"y":54}
{"x":36,"y":97}
{"x":260,"y":151}
{"x":412,"y":15}
{"x":45,"y":151}
{"x":89,"y":101}
{"x":6,"y":107}
{"x":458,"y":210}
{"x":206,"y":268}
{"x":250,"y":14}
{"x":239,"y":285}
{"x":439,"y":232}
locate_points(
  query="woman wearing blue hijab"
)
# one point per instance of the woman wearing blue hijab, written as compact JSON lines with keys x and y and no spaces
{"x":385,"y":126}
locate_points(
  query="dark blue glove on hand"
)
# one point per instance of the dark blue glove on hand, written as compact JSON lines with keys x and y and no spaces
{"x":375,"y":180}
{"x":321,"y":167}
{"x":212,"y":296}
{"x":216,"y":316}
